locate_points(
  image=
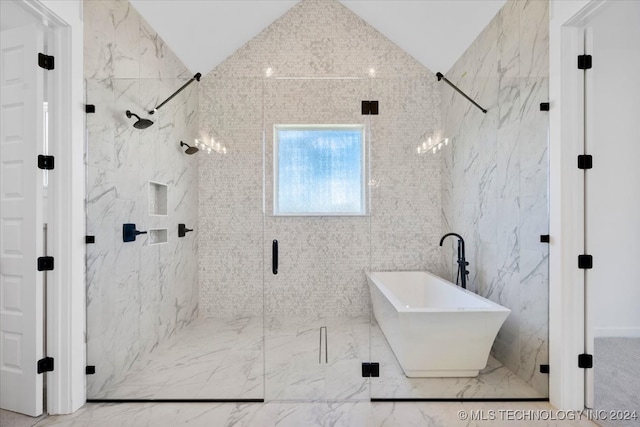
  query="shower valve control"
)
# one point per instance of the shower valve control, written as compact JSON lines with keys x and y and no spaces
{"x":129,"y":232}
{"x":183,"y":230}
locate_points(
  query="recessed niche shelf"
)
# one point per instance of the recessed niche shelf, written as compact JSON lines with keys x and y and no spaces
{"x":157,"y":236}
{"x":157,"y":198}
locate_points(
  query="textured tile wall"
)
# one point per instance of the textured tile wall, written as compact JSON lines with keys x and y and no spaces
{"x":494,"y":178}
{"x":322,"y":259}
{"x":137,"y":294}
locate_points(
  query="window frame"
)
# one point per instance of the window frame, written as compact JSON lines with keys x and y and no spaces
{"x":320,"y":127}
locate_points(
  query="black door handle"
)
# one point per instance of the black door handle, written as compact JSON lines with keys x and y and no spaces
{"x":274,"y":257}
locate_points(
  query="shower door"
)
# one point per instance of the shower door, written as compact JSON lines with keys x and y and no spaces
{"x":316,"y":296}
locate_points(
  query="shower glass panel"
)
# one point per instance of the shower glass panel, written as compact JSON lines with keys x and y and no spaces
{"x":162,"y":321}
{"x":316,"y":319}
{"x":446,"y":167}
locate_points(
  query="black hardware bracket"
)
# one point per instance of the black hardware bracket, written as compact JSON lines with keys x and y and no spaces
{"x":585,"y":161}
{"x":544,"y":369}
{"x":45,"y":365}
{"x":90,"y":370}
{"x":45,"y":263}
{"x":369,"y":108}
{"x":440,"y":76}
{"x":370,"y":369}
{"x":89,"y":239}
{"x":45,"y":61}
{"x":544,"y":106}
{"x":585,"y":62}
{"x":585,"y":262}
{"x":585,"y":361}
{"x":89,"y":108}
{"x":46,"y":162}
{"x":545,"y":238}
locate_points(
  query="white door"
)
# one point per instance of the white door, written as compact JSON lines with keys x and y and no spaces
{"x":612,"y":196}
{"x":21,"y":293}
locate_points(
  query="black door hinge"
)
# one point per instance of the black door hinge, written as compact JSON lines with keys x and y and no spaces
{"x":89,"y":239}
{"x":585,"y":361}
{"x":544,"y":369}
{"x":544,"y":106}
{"x":45,"y":365}
{"x":585,"y":62}
{"x":544,"y":238}
{"x":89,"y":108}
{"x":45,"y":61}
{"x":90,"y":370}
{"x":370,"y":369}
{"x":369,"y":108}
{"x":45,"y":162}
{"x":45,"y":263}
{"x":585,"y":161}
{"x":585,"y":261}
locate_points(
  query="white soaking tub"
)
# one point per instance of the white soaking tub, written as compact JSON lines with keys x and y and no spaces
{"x":435,"y":328}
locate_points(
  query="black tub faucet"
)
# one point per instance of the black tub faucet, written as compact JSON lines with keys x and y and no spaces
{"x":462,"y":262}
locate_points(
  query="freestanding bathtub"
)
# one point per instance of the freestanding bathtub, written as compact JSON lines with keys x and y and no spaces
{"x":434,"y":328}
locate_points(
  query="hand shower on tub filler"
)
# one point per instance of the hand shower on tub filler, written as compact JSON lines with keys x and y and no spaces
{"x":461,"y":278}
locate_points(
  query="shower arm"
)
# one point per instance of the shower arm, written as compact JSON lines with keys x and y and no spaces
{"x":196,"y":77}
{"x":440,"y":76}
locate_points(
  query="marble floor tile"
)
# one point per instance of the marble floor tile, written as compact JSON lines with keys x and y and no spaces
{"x":283,"y":359}
{"x":209,"y":359}
{"x":355,"y":414}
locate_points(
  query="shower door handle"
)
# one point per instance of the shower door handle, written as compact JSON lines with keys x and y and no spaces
{"x":274,"y":257}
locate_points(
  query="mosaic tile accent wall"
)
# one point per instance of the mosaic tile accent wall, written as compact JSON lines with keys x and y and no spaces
{"x":280,"y":77}
{"x":494,"y":178}
{"x":138,"y":294}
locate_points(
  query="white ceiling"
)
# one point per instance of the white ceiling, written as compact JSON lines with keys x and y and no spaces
{"x":203,"y":33}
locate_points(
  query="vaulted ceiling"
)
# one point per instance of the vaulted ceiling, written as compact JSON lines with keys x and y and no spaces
{"x":203,"y":33}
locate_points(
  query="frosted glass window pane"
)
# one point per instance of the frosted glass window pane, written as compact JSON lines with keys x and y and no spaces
{"x":319,"y":171}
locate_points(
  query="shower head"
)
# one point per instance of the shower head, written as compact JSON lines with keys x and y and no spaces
{"x":141,"y":123}
{"x":190,"y":150}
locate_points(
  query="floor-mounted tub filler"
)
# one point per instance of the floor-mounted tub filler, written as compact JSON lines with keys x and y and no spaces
{"x":435,"y":328}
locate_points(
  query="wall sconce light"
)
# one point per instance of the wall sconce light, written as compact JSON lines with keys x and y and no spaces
{"x":211,"y":145}
{"x":430,"y":145}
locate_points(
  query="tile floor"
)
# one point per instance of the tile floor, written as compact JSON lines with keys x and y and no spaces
{"x":358,"y":414}
{"x":225,"y":359}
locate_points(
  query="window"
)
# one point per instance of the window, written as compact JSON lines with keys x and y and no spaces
{"x":319,"y":170}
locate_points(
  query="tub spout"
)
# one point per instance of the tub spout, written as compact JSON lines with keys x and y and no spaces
{"x":461,"y":278}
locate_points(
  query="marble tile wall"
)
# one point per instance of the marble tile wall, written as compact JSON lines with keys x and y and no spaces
{"x":138,"y":294}
{"x":322,"y":259}
{"x":495,"y":178}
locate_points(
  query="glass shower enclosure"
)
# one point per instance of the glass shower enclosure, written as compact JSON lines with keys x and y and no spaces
{"x":265,"y":301}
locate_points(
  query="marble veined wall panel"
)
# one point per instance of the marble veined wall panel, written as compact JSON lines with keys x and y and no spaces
{"x":138,"y":294}
{"x":495,"y":175}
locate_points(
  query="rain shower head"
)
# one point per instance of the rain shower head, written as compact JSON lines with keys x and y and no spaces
{"x":141,"y":123}
{"x":190,"y":150}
